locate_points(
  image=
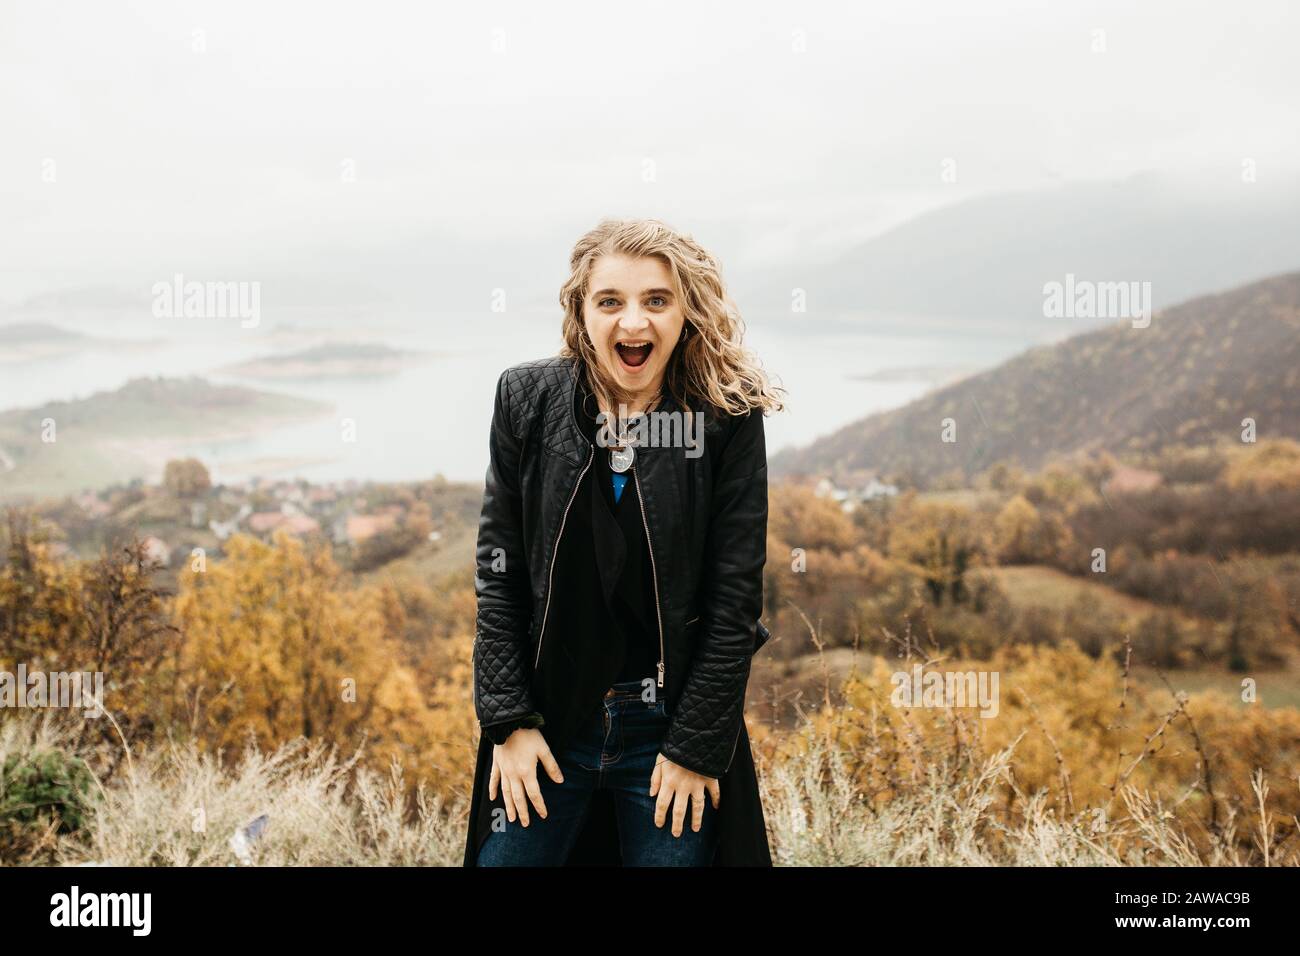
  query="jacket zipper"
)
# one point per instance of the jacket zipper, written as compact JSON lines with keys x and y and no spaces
{"x":654,"y":574}
{"x":550,"y":577}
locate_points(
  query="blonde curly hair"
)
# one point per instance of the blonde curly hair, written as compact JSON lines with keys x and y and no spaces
{"x":709,"y":365}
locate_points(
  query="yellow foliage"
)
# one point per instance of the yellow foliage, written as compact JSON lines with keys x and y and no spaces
{"x":104,"y":617}
{"x":1015,"y":530}
{"x":1080,"y":732}
{"x":275,"y":648}
{"x":805,"y":520}
{"x":1274,"y":463}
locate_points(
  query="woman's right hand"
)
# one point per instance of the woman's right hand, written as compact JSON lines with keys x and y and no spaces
{"x":514,"y":766}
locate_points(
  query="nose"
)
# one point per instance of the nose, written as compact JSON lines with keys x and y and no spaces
{"x":632,"y":322}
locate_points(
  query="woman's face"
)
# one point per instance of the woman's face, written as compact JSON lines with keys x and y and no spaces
{"x":634,"y":320}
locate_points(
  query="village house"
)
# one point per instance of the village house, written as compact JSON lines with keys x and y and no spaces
{"x":357,"y":528}
{"x":1128,"y":481}
{"x":850,"y":498}
{"x":92,"y":506}
{"x":156,"y":551}
{"x":224,"y":529}
{"x":265,"y":522}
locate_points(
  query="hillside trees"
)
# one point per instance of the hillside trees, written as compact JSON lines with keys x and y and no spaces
{"x":104,"y":616}
{"x":276,"y":648}
{"x":816,"y":565}
{"x":941,"y":541}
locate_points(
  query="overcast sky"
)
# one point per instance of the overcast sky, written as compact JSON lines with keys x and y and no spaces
{"x":134,"y":130}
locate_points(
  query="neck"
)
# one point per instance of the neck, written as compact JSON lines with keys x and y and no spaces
{"x":641,"y":403}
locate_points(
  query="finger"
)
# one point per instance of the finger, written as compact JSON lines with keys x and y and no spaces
{"x":655,"y":777}
{"x":662,"y":804}
{"x":715,"y":792}
{"x":507,"y":799}
{"x":520,"y":796}
{"x":697,"y":809}
{"x":679,"y":812}
{"x":493,"y":779}
{"x":550,"y":766}
{"x":535,"y":794}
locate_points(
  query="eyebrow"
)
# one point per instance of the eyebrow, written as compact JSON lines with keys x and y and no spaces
{"x":667,"y":292}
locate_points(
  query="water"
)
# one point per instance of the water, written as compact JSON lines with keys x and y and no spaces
{"x":433,"y":418}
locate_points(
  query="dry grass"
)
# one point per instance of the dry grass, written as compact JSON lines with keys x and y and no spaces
{"x":1080,"y":766}
{"x":817,"y":816}
{"x":176,"y":807}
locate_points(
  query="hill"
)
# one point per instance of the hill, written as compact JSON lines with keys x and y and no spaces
{"x":981,"y":264}
{"x":1190,"y":377}
{"x":115,"y":436}
{"x":28,"y":341}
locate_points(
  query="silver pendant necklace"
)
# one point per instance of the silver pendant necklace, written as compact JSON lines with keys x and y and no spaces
{"x":622,"y":455}
{"x":620,"y":459}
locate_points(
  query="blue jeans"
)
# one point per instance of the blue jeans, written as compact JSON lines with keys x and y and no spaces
{"x":615,"y":750}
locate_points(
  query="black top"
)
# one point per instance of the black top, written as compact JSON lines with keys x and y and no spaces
{"x":623,"y":559}
{"x":603,"y":622}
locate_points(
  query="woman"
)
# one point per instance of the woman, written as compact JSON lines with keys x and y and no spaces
{"x":619,"y":573}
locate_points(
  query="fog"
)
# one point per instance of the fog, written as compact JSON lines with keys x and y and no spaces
{"x":389,"y":165}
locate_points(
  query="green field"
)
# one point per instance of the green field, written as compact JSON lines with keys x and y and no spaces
{"x":1272,"y":688}
{"x":1053,"y":590}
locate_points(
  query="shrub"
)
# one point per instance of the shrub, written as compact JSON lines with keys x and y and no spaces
{"x":43,"y":794}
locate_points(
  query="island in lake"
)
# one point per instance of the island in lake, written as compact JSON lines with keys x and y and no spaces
{"x":34,"y":341}
{"x":337,"y":360}
{"x":127,"y":433}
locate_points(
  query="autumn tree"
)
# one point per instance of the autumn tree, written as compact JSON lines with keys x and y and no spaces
{"x":941,"y":541}
{"x":818,"y":565}
{"x":1023,"y":534}
{"x":105,"y":617}
{"x":276,"y":647}
{"x":186,"y":478}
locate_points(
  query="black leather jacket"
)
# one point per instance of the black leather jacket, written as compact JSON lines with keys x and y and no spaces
{"x":705,"y":519}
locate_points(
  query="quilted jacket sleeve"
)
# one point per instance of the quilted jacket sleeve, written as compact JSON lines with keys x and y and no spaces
{"x":706,"y":722}
{"x":502,"y":670}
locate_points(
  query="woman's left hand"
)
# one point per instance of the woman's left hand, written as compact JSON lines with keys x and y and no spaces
{"x":675,"y":785}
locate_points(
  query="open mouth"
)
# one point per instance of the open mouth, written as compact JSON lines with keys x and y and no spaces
{"x":633,"y":355}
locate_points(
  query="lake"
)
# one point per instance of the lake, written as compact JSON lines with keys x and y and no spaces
{"x":433,"y":418}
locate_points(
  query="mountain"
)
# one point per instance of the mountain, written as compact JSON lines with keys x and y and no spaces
{"x":970,"y":265}
{"x":982,"y":264}
{"x":1190,"y":377}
